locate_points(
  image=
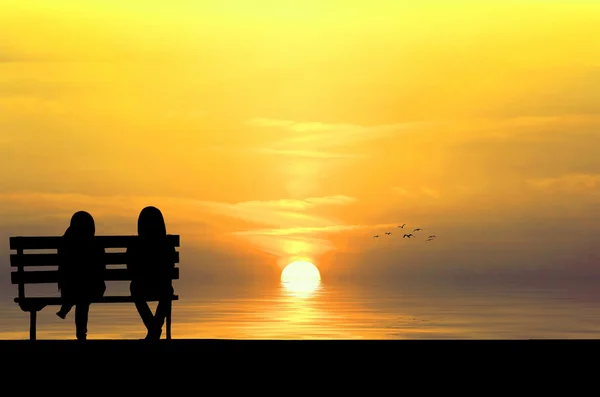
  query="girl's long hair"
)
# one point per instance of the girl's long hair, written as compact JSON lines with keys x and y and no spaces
{"x":82,"y":225}
{"x":151,"y":223}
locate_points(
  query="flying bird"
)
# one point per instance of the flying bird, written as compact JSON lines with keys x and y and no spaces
{"x":402,"y":227}
{"x":388,"y":233}
{"x":417,"y":230}
{"x":432,"y":236}
{"x":376,"y":236}
{"x":408,"y":235}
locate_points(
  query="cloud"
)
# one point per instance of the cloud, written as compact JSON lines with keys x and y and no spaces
{"x":29,"y":105}
{"x":311,"y":230}
{"x":338,"y":135}
{"x":308,"y":153}
{"x":297,"y":153}
{"x":293,"y":232}
{"x":321,"y":140}
{"x":282,"y":213}
{"x":577,"y":183}
{"x":300,"y":126}
{"x":318,"y":126}
{"x":289,"y":223}
{"x":430,"y":192}
{"x":507,"y":126}
{"x":262,"y":122}
{"x":296,"y":204}
{"x":8,"y":55}
{"x":306,"y":243}
{"x":422,"y":191}
{"x":43,"y":202}
{"x":316,"y":139}
{"x":115,"y":214}
{"x":400,"y":191}
{"x":522,"y":128}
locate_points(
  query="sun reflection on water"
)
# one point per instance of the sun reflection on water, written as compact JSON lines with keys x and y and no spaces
{"x":325,"y":310}
{"x":301,"y":288}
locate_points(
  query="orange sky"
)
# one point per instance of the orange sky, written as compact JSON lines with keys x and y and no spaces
{"x":267,"y":131}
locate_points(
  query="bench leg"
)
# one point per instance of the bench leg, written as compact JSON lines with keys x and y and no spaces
{"x":32,"y":324}
{"x":169,"y":319}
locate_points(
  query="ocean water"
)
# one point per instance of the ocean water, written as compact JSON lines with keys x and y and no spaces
{"x":340,"y":311}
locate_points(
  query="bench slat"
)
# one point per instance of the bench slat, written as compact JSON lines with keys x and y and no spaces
{"x":105,"y":299}
{"x":52,"y":242}
{"x":112,"y":258}
{"x":51,"y":276}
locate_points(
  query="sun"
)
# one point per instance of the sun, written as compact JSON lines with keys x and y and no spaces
{"x":301,"y":279}
{"x":300,"y":271}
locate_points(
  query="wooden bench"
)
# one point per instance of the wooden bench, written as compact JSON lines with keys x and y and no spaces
{"x":21,"y":261}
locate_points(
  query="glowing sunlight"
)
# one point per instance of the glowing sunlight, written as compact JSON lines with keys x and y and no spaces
{"x":301,"y":278}
{"x":329,"y":168}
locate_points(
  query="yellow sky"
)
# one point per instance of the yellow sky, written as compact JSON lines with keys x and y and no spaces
{"x":281,"y":129}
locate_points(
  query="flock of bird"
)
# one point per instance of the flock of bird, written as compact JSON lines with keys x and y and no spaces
{"x":408,"y":235}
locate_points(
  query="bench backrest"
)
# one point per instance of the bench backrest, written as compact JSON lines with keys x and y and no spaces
{"x":22,"y":260}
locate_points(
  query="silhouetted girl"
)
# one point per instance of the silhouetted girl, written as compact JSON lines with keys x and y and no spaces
{"x":151,"y":262}
{"x":81,"y":270}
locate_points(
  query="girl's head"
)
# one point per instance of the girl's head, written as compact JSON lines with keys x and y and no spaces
{"x":82,"y":225}
{"x":151,"y":223}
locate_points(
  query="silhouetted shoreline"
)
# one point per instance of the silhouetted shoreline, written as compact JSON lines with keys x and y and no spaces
{"x":342,"y":349}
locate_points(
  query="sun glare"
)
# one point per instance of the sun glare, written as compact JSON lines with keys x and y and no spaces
{"x":301,"y":278}
{"x":300,"y":271}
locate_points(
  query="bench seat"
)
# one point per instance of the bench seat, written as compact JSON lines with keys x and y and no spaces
{"x":58,"y":301}
{"x":24,"y":263}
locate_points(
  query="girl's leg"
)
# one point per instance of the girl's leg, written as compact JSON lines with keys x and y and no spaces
{"x":162,"y":310}
{"x":64,"y":310}
{"x":66,"y":294}
{"x":163,"y":307}
{"x":82,"y":310}
{"x":139,"y":294}
{"x":147,"y":317}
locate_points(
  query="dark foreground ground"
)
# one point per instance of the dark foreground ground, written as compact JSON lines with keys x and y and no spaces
{"x":255,"y":364}
{"x":331,"y":368}
{"x":338,"y":349}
